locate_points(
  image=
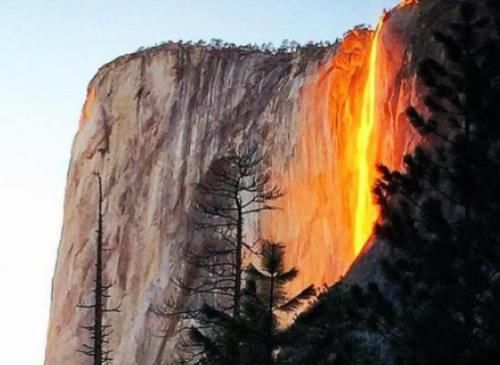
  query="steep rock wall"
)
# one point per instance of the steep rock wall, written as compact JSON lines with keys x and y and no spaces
{"x":318,"y":220}
{"x":151,"y":125}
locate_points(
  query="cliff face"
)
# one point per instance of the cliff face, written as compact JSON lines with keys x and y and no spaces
{"x":151,"y":125}
{"x":154,"y":121}
{"x":353,"y":119}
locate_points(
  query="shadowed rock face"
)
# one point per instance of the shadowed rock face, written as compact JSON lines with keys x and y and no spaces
{"x":152,"y":124}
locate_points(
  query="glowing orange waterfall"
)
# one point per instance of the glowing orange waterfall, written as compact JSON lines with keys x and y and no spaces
{"x":366,"y":211}
{"x":351,"y":118}
{"x":319,"y":209}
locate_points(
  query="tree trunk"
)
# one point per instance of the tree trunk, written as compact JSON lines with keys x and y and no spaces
{"x":98,"y":334}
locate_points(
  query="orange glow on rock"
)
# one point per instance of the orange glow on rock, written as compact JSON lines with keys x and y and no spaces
{"x":318,"y":212}
{"x":408,"y":3}
{"x":87,"y":107}
{"x":351,"y":119}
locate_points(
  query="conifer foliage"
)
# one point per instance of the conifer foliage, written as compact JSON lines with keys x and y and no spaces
{"x":268,"y":302}
{"x":256,"y":333}
{"x":235,"y":188}
{"x":334,"y":331}
{"x":440,"y":216}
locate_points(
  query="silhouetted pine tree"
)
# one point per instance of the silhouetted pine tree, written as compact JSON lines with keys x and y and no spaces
{"x":332,"y":332}
{"x":267,"y":301}
{"x":441,"y":216}
{"x":235,"y":187}
{"x":255,"y":336}
{"x":99,"y":331}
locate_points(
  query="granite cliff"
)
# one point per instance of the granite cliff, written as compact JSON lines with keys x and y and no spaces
{"x":153,"y":122}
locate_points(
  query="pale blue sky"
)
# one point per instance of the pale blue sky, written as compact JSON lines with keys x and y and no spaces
{"x":49,"y":50}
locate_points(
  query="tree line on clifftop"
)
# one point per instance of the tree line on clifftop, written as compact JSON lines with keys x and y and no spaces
{"x":439,"y":300}
{"x":286,"y":46}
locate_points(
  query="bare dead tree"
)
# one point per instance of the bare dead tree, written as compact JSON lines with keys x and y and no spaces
{"x":235,"y":187}
{"x":99,"y":331}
